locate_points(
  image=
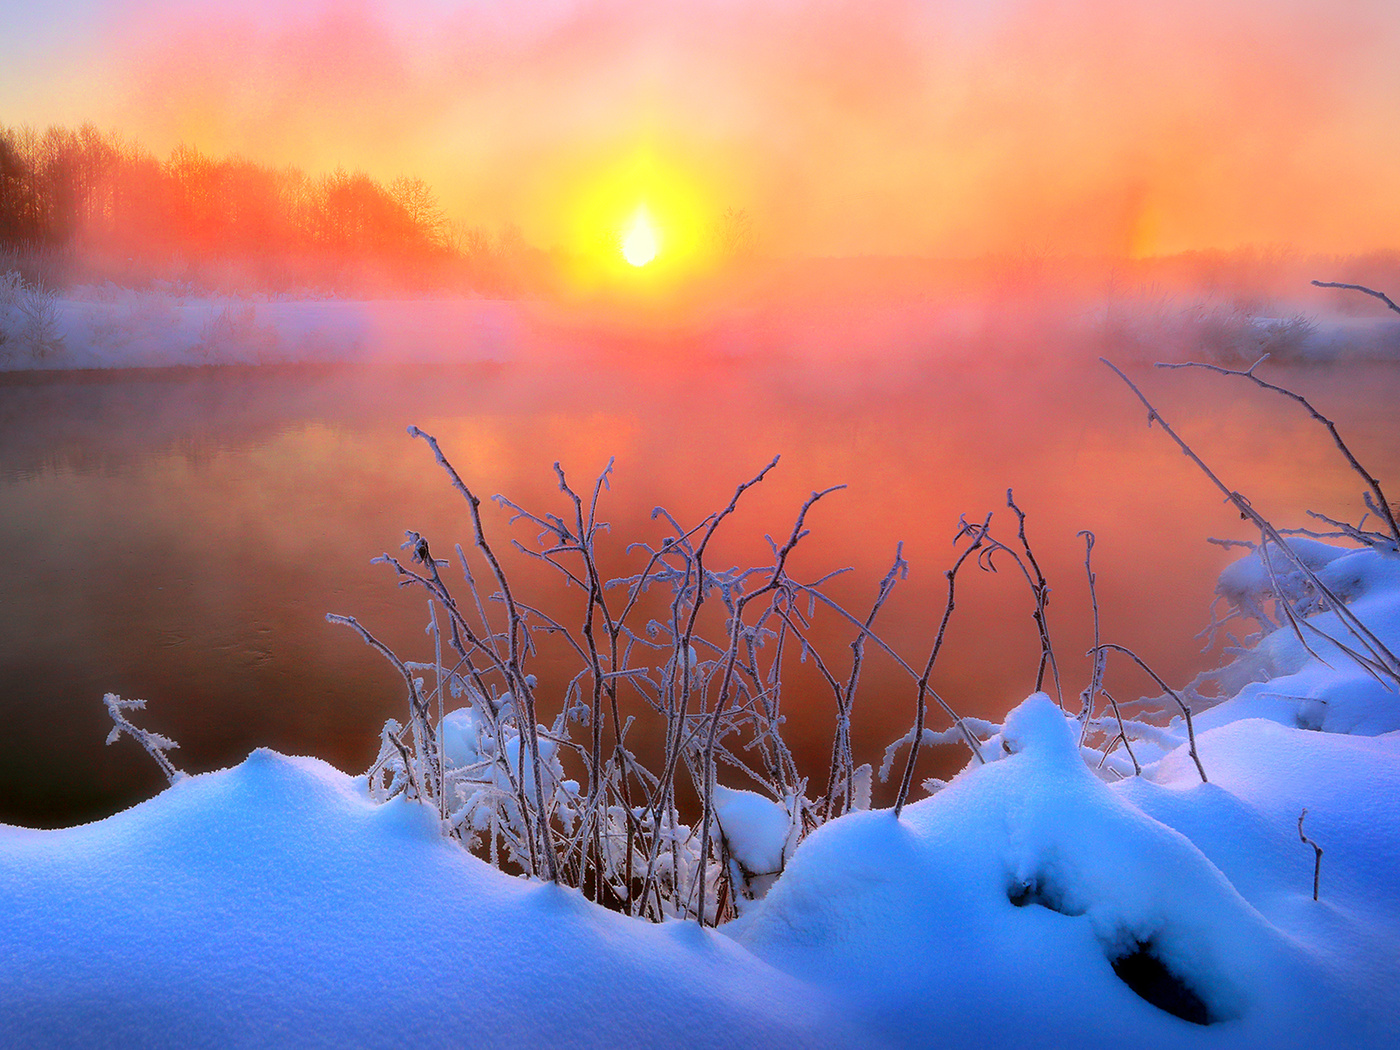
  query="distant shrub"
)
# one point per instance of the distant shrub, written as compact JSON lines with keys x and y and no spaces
{"x":29,"y":320}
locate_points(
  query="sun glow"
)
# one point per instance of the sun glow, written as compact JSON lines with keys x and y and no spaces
{"x":638,"y":223}
{"x":639,"y":240}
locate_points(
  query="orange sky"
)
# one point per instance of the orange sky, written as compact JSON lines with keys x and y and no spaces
{"x":870,"y":127}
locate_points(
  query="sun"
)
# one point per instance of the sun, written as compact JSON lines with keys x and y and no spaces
{"x":639,"y":239}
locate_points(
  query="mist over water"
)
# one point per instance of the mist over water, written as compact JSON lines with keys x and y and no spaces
{"x":179,"y":536}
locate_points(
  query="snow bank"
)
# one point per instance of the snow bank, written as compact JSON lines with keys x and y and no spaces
{"x":995,"y":913}
{"x":119,"y":328}
{"x":273,"y":904}
{"x":169,"y":325}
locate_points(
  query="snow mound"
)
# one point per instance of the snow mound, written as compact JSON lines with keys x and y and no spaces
{"x":273,"y":904}
{"x":758,"y":834}
{"x":1045,"y":907}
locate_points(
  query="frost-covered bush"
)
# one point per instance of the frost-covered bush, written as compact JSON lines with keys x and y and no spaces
{"x":1326,"y":622}
{"x":233,"y":333}
{"x":552,"y":785}
{"x":29,"y":320}
{"x":1225,"y":331}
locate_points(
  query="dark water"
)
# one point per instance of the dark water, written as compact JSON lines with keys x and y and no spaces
{"x":180,"y":536}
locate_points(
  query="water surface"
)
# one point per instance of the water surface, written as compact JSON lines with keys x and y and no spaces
{"x":179,"y":536}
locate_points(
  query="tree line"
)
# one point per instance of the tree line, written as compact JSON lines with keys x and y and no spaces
{"x":110,"y":207}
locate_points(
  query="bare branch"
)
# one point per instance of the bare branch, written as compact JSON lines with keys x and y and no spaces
{"x":1360,"y":288}
{"x":1180,"y":703}
{"x":1381,"y":505}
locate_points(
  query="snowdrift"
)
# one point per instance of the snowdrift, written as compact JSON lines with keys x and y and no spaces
{"x":273,"y":904}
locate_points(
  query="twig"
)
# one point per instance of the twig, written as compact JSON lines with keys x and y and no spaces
{"x":155,"y":744}
{"x":1185,"y":711}
{"x":1317,"y":853}
{"x":1379,"y":505}
{"x":1040,"y":589}
{"x":1360,"y":288}
{"x":978,"y":534}
{"x":1122,"y":731}
{"x":419,"y":713}
{"x":1086,"y":704}
{"x":842,"y":761}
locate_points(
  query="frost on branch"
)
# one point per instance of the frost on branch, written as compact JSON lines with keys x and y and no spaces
{"x":155,"y":744}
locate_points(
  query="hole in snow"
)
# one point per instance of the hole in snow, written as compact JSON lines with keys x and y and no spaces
{"x":1043,"y":892}
{"x":1143,"y":972}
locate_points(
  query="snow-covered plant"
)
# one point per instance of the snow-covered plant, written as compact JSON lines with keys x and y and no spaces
{"x":234,"y":332}
{"x":28,"y":318}
{"x":11,"y":287}
{"x":1285,"y":580}
{"x":700,"y":650}
{"x":39,"y":331}
{"x":552,"y":784}
{"x":696,"y":651}
{"x":1291,"y":566}
{"x":1218,"y":329}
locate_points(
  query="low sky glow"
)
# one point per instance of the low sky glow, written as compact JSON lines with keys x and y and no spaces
{"x":895,"y":126}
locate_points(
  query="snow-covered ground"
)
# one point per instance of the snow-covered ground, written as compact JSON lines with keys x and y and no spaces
{"x":275,"y":904}
{"x":110,"y":327}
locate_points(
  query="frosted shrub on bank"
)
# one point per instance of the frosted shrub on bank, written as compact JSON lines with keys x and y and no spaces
{"x":1229,"y":332}
{"x":30,"y":331}
{"x":234,"y":333}
{"x":697,"y":649}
